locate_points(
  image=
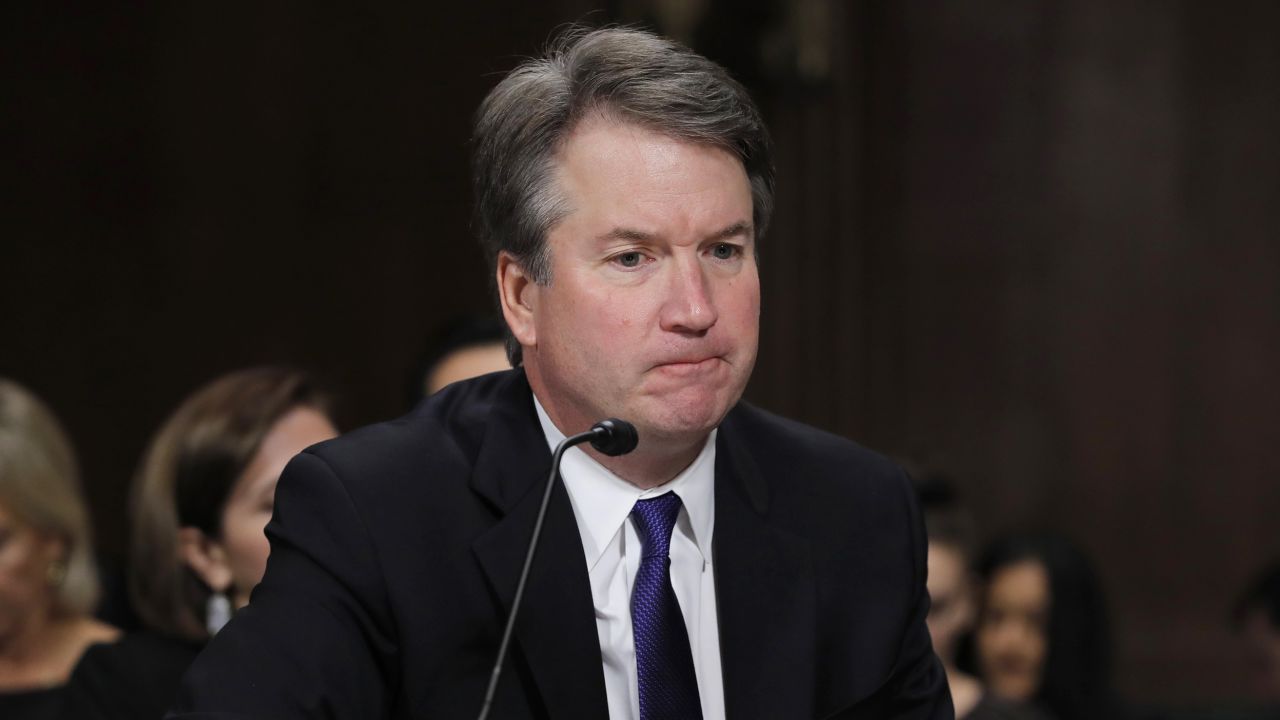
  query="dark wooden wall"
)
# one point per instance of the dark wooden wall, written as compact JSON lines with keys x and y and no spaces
{"x":1038,"y":245}
{"x":1033,"y":243}
{"x":195,"y":189}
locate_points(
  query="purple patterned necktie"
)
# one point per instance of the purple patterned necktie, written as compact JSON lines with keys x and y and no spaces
{"x":664,"y":664}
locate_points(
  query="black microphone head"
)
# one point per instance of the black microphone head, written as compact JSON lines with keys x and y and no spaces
{"x":614,"y":437}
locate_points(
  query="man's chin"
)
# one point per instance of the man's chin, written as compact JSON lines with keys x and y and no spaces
{"x":681,"y":416}
{"x":681,"y":428}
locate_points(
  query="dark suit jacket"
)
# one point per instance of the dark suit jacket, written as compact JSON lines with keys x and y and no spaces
{"x":395,"y":552}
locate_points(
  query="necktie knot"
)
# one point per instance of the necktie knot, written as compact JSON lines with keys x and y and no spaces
{"x":654,"y":519}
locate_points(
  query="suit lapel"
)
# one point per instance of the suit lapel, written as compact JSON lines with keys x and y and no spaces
{"x":765,"y":595}
{"x":555,"y":631}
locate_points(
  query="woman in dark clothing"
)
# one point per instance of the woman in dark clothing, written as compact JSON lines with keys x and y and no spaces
{"x":1042,"y":634}
{"x":199,"y":504}
{"x":48,"y":584}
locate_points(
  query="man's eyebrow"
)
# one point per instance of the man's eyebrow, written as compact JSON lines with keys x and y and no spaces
{"x":742,"y":227}
{"x":623,"y":233}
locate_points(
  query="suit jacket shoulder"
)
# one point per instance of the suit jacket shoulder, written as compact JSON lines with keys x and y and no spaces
{"x":827,"y":455}
{"x":820,"y":485}
{"x":442,"y":436}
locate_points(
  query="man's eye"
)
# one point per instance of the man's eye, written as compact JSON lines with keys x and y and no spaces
{"x":629,"y":260}
{"x":725,"y":251}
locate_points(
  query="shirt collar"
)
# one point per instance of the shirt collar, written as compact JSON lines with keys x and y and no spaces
{"x":602,"y":500}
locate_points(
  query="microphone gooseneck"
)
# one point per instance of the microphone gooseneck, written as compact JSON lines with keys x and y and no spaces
{"x":612,"y":437}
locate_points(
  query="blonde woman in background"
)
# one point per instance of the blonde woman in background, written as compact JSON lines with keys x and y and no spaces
{"x":200,"y":502}
{"x":48,"y":582}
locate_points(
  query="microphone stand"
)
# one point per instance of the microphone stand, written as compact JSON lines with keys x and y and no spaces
{"x":612,"y":437}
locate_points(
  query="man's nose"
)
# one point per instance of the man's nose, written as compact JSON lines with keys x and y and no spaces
{"x":689,"y":307}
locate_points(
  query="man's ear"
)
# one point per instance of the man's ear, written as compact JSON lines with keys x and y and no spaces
{"x":518,"y":294}
{"x":206,"y":558}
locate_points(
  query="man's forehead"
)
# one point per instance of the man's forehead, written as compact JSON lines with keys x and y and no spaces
{"x":601,"y":136}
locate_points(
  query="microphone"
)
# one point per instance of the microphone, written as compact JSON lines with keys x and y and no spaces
{"x":612,"y":437}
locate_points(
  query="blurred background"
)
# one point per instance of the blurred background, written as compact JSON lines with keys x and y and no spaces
{"x":1036,"y":244}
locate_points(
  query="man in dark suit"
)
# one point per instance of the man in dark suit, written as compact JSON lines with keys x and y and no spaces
{"x":736,"y":564}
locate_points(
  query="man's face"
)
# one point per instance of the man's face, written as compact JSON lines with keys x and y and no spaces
{"x":653,"y":306}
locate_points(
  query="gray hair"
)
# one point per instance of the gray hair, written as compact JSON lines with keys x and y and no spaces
{"x":40,"y":486}
{"x":626,"y":73}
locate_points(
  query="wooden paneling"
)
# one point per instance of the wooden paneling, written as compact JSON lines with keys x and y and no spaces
{"x":1050,"y":265}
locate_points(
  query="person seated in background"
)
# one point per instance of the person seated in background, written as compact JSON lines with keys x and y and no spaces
{"x":200,"y":501}
{"x":48,"y":582}
{"x":954,"y":603}
{"x":1042,"y":634}
{"x":1257,"y":620}
{"x":466,"y":347}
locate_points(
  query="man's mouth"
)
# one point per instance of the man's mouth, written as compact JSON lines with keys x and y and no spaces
{"x":689,"y":366}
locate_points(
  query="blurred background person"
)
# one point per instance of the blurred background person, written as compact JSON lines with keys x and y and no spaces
{"x":1257,"y":621}
{"x":465,"y":347}
{"x":48,"y":582}
{"x":200,"y":501}
{"x":953,"y":594}
{"x":1042,"y":635}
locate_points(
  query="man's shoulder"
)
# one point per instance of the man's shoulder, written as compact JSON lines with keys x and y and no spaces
{"x":445,"y":431}
{"x":818,"y":482}
{"x":853,"y":509}
{"x":781,"y":442}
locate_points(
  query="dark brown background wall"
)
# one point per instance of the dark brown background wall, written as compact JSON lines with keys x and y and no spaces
{"x":1033,"y":243}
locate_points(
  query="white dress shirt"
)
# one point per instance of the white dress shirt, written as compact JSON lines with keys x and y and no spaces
{"x":602,"y":504}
